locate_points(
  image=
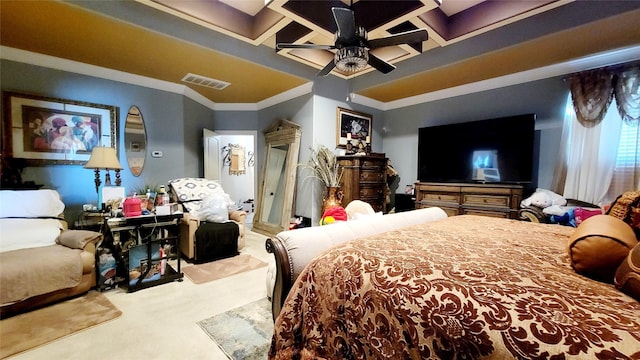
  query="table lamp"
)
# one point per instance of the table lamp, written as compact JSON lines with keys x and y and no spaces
{"x":104,"y":158}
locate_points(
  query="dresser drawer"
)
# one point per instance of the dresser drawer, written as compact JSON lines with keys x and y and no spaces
{"x":373,"y":176}
{"x":498,"y":214}
{"x":371,"y":192}
{"x":486,"y":200}
{"x":373,"y":164}
{"x":441,"y":197}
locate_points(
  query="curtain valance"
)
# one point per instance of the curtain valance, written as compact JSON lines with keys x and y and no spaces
{"x":592,"y":92}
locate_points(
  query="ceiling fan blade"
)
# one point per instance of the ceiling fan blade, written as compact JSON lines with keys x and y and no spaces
{"x":381,"y":65}
{"x":407,"y":37}
{"x":346,"y":23}
{"x":304,"y":46}
{"x":327,"y":69}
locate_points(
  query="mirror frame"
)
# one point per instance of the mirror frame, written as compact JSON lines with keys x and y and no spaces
{"x":282,"y":132}
{"x":132,"y":115}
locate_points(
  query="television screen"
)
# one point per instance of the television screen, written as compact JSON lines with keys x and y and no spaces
{"x":493,"y":150}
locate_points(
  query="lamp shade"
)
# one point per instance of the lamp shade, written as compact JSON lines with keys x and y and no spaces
{"x":103,"y":158}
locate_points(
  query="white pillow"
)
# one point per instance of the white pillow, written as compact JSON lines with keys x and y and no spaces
{"x":358,"y":216}
{"x":191,"y":191}
{"x":30,"y":203}
{"x":215,"y":208}
{"x":18,"y":234}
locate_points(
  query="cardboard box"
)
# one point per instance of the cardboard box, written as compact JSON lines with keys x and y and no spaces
{"x":168,"y":209}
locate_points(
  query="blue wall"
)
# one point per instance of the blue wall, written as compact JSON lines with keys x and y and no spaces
{"x":546,"y":98}
{"x":170,"y":121}
{"x":174,"y":126}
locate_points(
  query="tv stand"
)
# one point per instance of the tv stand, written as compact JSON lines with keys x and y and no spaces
{"x":488,"y":199}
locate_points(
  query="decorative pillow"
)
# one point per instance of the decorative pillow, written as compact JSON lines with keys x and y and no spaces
{"x":358,"y":216}
{"x":627,"y":208}
{"x":599,"y":245}
{"x":628,"y":274}
{"x":78,"y":239}
{"x":581,"y":214}
{"x":190,"y":191}
{"x":358,"y":207}
{"x":214,"y":208}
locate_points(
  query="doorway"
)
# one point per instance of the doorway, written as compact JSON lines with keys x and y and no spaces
{"x":240,"y":185}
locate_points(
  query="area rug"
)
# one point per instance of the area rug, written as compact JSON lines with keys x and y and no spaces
{"x":244,"y":332}
{"x":214,"y":270}
{"x":38,"y":327}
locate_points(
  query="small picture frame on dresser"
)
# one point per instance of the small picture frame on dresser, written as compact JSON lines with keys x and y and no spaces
{"x":408,"y":189}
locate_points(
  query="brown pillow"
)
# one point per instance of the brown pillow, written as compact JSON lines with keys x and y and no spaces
{"x":627,"y":208}
{"x":78,"y":239}
{"x":599,"y":245}
{"x":628,"y":275}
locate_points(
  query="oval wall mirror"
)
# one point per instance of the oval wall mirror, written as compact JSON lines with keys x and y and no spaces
{"x":135,"y":140}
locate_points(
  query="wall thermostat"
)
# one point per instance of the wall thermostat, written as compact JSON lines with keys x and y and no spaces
{"x":156,"y":153}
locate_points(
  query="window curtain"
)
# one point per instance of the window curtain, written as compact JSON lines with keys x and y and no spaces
{"x":591,"y":131}
{"x":590,"y":157}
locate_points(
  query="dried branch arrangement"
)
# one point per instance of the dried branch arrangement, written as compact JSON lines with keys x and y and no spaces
{"x":324,"y":165}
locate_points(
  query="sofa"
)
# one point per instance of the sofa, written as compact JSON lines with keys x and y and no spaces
{"x":41,"y":260}
{"x":190,"y":193}
{"x":294,"y":249}
{"x":536,"y":214}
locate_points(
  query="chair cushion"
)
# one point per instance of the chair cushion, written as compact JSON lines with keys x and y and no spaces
{"x":191,"y":191}
{"x":599,"y":245}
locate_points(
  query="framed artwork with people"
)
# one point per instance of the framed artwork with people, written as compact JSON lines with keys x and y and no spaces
{"x":45,"y":130}
{"x":354,"y":127}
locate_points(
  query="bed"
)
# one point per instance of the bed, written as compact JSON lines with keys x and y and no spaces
{"x":465,"y":287}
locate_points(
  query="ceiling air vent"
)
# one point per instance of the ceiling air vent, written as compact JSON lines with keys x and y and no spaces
{"x":205,"y":81}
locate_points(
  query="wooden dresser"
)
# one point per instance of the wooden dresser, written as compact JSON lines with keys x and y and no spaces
{"x":497,"y":200}
{"x":364,"y":178}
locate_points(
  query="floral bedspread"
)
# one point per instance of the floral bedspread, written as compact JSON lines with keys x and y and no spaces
{"x":465,"y":287}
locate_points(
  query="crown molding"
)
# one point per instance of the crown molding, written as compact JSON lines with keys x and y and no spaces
{"x":580,"y":64}
{"x":52,"y":62}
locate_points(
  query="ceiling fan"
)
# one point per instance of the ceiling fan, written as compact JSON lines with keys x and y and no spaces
{"x":353,"y":47}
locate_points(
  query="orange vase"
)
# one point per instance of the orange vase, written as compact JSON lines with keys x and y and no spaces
{"x":333,"y":198}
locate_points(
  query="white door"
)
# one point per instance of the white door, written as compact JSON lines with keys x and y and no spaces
{"x":212,"y":164}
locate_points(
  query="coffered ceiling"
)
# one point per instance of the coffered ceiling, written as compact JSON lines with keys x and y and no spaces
{"x":234,"y":40}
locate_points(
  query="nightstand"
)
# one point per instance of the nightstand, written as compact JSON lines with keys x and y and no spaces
{"x":404,"y":202}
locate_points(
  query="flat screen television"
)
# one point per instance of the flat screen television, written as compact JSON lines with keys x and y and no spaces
{"x":497,"y":150}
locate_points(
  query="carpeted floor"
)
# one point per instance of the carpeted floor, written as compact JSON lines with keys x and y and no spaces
{"x":244,"y":332}
{"x":214,"y":270}
{"x":38,"y":327}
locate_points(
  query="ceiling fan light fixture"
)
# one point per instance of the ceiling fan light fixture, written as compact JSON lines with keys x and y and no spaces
{"x":351,"y":58}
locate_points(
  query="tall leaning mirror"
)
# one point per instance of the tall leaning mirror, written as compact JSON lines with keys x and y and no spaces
{"x":135,"y":140}
{"x":278,"y":179}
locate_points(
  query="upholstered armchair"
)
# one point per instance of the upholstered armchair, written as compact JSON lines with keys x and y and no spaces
{"x":189,"y":192}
